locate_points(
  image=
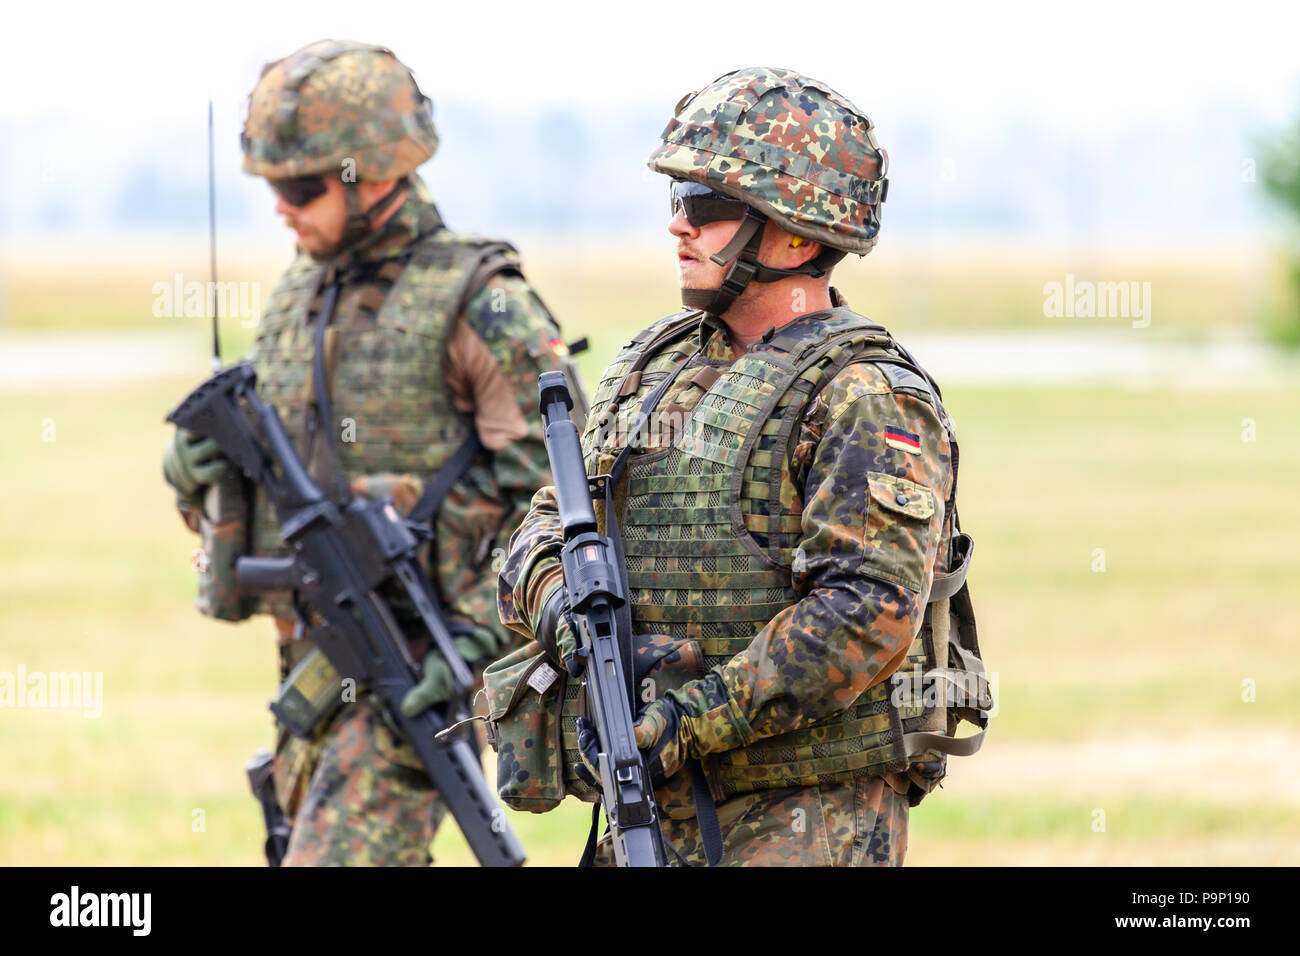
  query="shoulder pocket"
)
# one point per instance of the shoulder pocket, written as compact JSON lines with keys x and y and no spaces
{"x":901,"y":534}
{"x":899,"y":494}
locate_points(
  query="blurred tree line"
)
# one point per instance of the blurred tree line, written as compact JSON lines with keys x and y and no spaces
{"x":1280,"y":167}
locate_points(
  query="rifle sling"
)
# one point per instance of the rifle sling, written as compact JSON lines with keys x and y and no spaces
{"x":706,"y":815}
{"x":589,"y":851}
{"x":450,"y":473}
{"x":320,"y":384}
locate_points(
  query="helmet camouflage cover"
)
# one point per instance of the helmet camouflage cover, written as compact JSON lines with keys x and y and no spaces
{"x":333,"y":101}
{"x":789,"y":146}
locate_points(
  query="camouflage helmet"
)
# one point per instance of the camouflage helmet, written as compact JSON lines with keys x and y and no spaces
{"x":333,"y":101}
{"x":787,"y":145}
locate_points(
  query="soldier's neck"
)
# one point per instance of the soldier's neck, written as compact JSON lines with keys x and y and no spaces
{"x":771,"y":305}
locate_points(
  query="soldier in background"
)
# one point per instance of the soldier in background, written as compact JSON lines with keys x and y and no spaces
{"x":392,"y":348}
{"x":789,"y":515}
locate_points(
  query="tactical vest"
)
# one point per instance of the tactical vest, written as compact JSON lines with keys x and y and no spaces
{"x":711,"y":524}
{"x":388,"y":384}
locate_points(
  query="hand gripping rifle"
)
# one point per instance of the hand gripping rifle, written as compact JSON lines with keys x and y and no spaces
{"x":594,"y":578}
{"x":342,"y":555}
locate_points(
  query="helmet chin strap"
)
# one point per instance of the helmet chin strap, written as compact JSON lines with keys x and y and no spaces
{"x":359,"y":223}
{"x":743,"y":247}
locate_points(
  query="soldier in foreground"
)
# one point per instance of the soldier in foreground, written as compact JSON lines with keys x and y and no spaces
{"x":395,"y":351}
{"x":788,"y":517}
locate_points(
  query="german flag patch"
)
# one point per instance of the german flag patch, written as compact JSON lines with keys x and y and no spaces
{"x":896,"y":437}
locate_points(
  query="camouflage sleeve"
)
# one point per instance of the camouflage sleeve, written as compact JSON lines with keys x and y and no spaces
{"x":877,"y":480}
{"x":532,"y":566}
{"x":509,"y":319}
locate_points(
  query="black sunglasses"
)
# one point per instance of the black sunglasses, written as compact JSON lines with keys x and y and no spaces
{"x":299,"y":190}
{"x":702,"y":205}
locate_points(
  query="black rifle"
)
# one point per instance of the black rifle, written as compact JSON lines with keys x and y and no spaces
{"x":342,"y":556}
{"x":277,"y":824}
{"x":594,"y":579}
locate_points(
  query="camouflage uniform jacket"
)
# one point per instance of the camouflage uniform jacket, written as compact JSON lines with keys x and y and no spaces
{"x":861,"y":572}
{"x":495,"y":351}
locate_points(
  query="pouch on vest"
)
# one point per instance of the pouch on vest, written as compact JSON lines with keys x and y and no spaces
{"x":525,"y":698}
{"x":533,"y":714}
{"x":224,"y":538}
{"x":309,"y":696}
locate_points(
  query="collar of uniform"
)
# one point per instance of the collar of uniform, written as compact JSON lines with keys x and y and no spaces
{"x":714,"y":338}
{"x":417,"y":216}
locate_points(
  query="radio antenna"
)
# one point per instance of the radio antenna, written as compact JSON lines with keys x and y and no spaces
{"x":212,"y":243}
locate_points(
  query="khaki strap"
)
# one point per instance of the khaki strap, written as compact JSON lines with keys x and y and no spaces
{"x":630,"y":384}
{"x":704,"y":377}
{"x":949,"y":583}
{"x":918,"y":743}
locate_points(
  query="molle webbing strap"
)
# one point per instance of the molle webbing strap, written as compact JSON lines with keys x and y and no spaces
{"x":643,"y":414}
{"x":632,"y":377}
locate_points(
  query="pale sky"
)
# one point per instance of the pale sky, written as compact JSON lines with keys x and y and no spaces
{"x":1079,"y":63}
{"x":1100,"y":116}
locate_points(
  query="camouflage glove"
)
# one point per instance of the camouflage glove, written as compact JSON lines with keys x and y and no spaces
{"x":658,"y":731}
{"x":191,"y":463}
{"x":435,"y":685}
{"x":555,"y":633}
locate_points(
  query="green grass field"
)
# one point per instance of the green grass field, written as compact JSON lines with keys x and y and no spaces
{"x":1156,"y":696}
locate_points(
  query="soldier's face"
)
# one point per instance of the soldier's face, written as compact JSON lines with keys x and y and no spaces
{"x":695,"y":270}
{"x":319,"y":223}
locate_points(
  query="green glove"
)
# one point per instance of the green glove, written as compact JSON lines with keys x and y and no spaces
{"x":191,"y":463}
{"x":435,"y":685}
